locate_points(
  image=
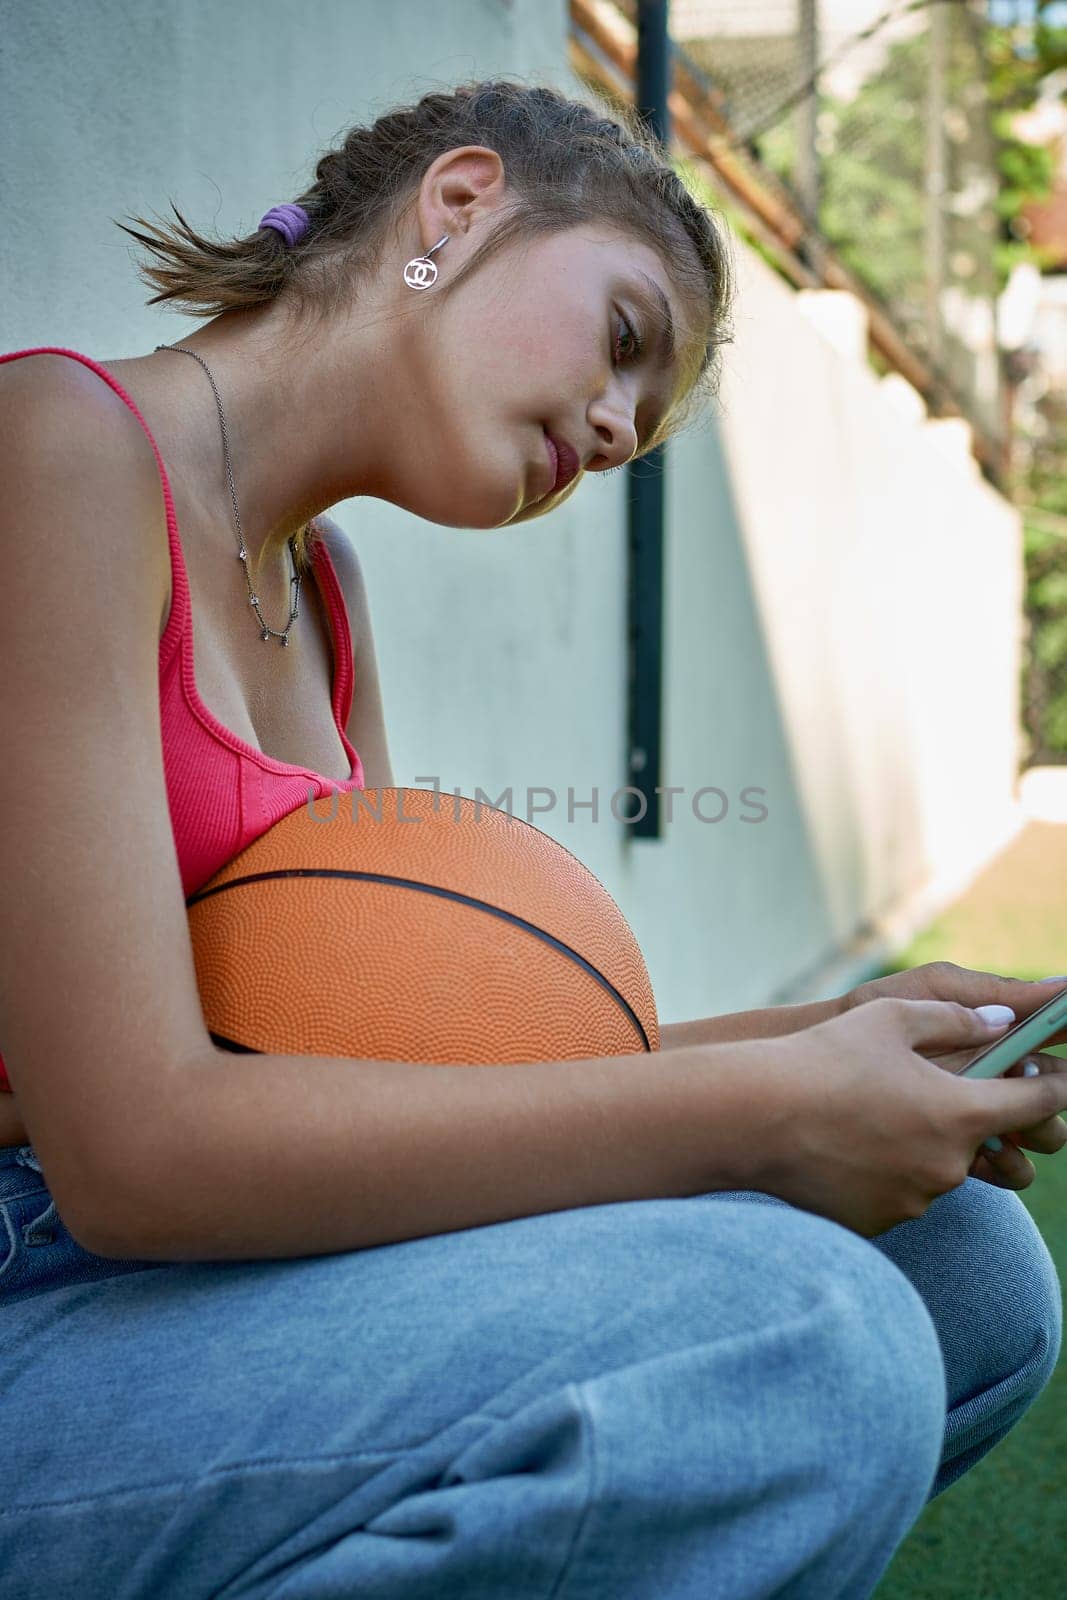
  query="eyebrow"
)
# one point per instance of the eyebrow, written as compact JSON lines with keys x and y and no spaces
{"x":666,"y":347}
{"x":667,"y":342}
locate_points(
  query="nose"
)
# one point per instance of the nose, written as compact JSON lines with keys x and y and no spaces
{"x":612,"y":420}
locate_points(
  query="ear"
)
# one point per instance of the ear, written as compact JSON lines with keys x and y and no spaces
{"x":458,"y":188}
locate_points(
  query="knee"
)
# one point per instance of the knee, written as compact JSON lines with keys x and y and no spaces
{"x":1007,"y":1311}
{"x":1023,"y":1314}
{"x":848,"y":1374}
{"x":866,"y":1373}
{"x":884,"y":1378}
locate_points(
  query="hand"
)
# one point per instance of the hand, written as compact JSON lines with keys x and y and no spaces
{"x":942,"y":980}
{"x":861,"y":1125}
{"x":1009,"y":1168}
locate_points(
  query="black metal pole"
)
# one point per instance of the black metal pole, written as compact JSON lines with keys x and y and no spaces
{"x":645,"y":498}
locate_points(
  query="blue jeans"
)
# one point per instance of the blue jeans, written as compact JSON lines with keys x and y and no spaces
{"x":719,"y":1396}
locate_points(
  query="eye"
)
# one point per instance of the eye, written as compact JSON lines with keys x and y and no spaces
{"x":626,"y":330}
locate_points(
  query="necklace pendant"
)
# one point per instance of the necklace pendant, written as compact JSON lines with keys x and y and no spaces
{"x":242,"y":553}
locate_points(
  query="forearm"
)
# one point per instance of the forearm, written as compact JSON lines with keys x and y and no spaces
{"x":12,"y":1128}
{"x":772,"y":1022}
{"x":271,"y":1156}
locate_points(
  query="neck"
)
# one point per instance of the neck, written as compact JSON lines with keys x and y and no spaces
{"x":291,"y":404}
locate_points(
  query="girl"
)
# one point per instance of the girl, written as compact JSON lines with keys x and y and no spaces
{"x":301,"y":1327}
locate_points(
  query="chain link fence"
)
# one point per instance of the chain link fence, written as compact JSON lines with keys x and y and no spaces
{"x":1044,"y":679}
{"x":1038,"y":373}
{"x":874,"y":117}
{"x":882,"y":134}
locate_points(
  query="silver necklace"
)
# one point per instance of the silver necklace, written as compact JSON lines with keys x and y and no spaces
{"x":242,"y":553}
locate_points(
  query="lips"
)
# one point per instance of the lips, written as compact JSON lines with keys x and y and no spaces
{"x":563,"y":458}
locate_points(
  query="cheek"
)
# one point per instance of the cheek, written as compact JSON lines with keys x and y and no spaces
{"x":478,"y":366}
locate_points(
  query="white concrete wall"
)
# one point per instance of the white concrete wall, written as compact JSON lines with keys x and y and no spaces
{"x":843,"y":590}
{"x":845,"y":628}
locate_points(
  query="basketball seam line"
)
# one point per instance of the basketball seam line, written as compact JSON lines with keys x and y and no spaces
{"x":446,"y":894}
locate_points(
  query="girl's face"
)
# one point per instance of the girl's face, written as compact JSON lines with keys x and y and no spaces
{"x":580,"y":335}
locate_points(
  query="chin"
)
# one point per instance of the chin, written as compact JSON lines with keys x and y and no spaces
{"x":548,"y":503}
{"x":539,"y":508}
{"x":478,"y":516}
{"x":464,"y":490}
{"x":489,"y":508}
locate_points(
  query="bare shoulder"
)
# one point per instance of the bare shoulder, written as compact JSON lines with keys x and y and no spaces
{"x":349,"y":570}
{"x":58,"y":413}
{"x":344,"y":556}
{"x":60,"y":423}
{"x":36,"y":374}
{"x":366,"y":723}
{"x":46,"y":380}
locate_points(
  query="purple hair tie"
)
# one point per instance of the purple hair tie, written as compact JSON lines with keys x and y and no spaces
{"x":290,"y":220}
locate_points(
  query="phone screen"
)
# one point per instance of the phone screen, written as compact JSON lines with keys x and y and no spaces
{"x":1030,"y":1034}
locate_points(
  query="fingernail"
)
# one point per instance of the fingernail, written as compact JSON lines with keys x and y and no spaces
{"x":1061,"y":979}
{"x":994,"y":1143}
{"x":1031,"y":1070}
{"x":995,"y":1016}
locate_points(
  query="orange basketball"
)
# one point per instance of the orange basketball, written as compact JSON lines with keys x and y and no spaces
{"x":408,"y":925}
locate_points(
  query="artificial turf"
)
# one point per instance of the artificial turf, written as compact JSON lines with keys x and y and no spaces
{"x":1000,"y":1531}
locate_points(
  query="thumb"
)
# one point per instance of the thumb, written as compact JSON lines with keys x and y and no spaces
{"x":945,"y":1022}
{"x":1006,"y":1104}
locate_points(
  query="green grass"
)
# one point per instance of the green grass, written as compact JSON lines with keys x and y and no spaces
{"x":1000,"y":1532}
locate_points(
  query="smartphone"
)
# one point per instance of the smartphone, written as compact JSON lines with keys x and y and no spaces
{"x":1030,"y":1034}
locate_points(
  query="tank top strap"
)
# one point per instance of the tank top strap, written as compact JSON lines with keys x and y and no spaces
{"x":179,"y":606}
{"x":340,"y":627}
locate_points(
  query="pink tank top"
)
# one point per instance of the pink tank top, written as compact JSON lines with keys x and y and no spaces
{"x":222,"y":792}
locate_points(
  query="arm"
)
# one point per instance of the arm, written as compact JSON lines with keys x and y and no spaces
{"x":734,"y":1025}
{"x":770,"y":1023}
{"x":98,"y":990}
{"x":153,"y":1143}
{"x":269,"y":1156}
{"x":12,"y":1127}
{"x":366,"y":721}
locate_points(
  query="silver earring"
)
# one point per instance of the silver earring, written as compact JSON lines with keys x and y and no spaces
{"x":420,"y":271}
